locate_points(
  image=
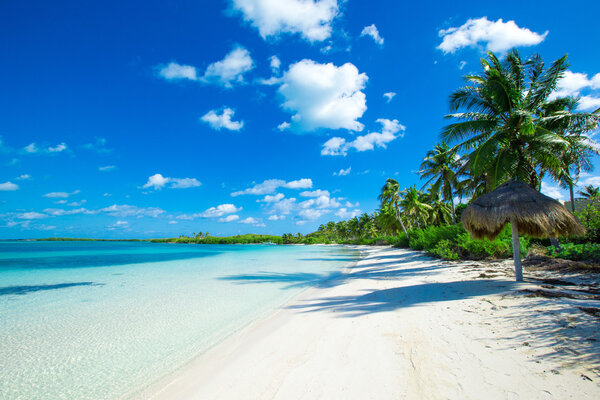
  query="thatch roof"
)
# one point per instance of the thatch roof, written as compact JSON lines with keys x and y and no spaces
{"x":537,"y":215}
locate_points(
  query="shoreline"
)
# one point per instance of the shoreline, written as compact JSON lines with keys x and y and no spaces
{"x":402,"y":325}
{"x":154,"y":389}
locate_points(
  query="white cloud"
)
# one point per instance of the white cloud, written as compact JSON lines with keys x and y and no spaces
{"x":60,"y":195}
{"x":284,"y":126}
{"x":275,"y":63}
{"x":552,"y":191}
{"x":272,"y":198}
{"x":173,"y":222}
{"x":99,"y":145}
{"x":338,"y":146}
{"x":314,"y":193}
{"x":107,"y":168}
{"x":218,"y":211}
{"x":32,"y":215}
{"x":230,"y":218}
{"x":57,"y":212}
{"x":31,"y":148}
{"x":23,"y":177}
{"x":217,"y":121}
{"x":345,"y":213}
{"x":312,"y":214}
{"x":225,"y":72}
{"x":389,"y":96}
{"x":373,"y":32}
{"x":276,"y":217}
{"x":157,"y":182}
{"x":60,"y":202}
{"x":323,"y":96}
{"x":285,"y":206}
{"x":174,"y":71}
{"x":498,"y":36}
{"x":249,"y":220}
{"x":118,"y":225}
{"x":270,"y":185}
{"x":462,"y":64}
{"x":126,"y":210}
{"x":342,"y":172}
{"x":309,"y":18}
{"x":58,"y":148}
{"x":8,"y":187}
{"x":231,"y":69}
{"x":77,"y":203}
{"x":304,"y":183}
{"x":589,"y":103}
{"x":573,"y":83}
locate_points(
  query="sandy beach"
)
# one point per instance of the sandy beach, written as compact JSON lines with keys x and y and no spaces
{"x":400,"y":325}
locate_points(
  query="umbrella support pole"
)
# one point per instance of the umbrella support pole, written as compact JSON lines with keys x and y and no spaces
{"x":516,"y":250}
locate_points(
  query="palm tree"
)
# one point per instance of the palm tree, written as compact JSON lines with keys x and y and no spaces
{"x":413,"y":205}
{"x":390,"y":194}
{"x":504,"y":126}
{"x":440,"y":211}
{"x":354,"y":227}
{"x":439,"y":165}
{"x":589,"y":192}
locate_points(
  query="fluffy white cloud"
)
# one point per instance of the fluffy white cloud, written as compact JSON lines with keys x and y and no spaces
{"x":314,"y":193}
{"x":31,"y":148}
{"x":251,"y":221}
{"x":345,"y":213}
{"x":275,"y":63}
{"x":23,"y":177}
{"x":373,"y":32}
{"x":338,"y":146}
{"x":58,"y":148}
{"x":231,"y":69}
{"x":174,"y":71}
{"x":284,"y":206}
{"x":462,"y":64}
{"x":60,"y":195}
{"x":223,"y":120}
{"x":57,"y":212}
{"x":218,"y":211}
{"x":225,"y":72}
{"x":303,"y":183}
{"x":8,"y":187}
{"x":271,"y":198}
{"x":276,"y":217}
{"x":573,"y":83}
{"x":157,"y":182}
{"x":270,"y":185}
{"x":229,"y":218}
{"x":284,"y":126}
{"x":107,"y":168}
{"x":389,"y":96}
{"x":309,"y":18}
{"x":77,"y":203}
{"x":323,"y":96}
{"x":552,"y":191}
{"x":589,"y":103}
{"x":498,"y":36}
{"x":32,"y":215}
{"x":343,"y":172}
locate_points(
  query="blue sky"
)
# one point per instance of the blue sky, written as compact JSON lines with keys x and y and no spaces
{"x":153,"y":119}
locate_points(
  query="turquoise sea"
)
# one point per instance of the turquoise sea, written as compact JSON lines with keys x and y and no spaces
{"x":104,"y":320}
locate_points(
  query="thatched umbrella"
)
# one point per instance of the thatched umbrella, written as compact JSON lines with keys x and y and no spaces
{"x":528,"y":211}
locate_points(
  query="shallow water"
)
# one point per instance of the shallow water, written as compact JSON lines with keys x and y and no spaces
{"x":102,"y":320}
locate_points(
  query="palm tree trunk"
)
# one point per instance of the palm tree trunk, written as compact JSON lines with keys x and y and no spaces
{"x":516,"y":250}
{"x":399,"y":218}
{"x":572,"y":195}
{"x":453,"y":211}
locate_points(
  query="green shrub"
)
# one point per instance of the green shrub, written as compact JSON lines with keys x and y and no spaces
{"x":445,"y":249}
{"x":577,"y":252}
{"x":427,"y":239}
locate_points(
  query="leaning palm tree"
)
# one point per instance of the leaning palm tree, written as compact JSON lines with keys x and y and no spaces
{"x":390,"y":194}
{"x":502,"y":127}
{"x":440,"y":213}
{"x":439,"y":166}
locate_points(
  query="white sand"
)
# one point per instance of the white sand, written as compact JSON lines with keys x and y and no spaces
{"x":404,"y":326}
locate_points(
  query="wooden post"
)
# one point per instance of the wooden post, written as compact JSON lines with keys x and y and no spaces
{"x":516,"y":250}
